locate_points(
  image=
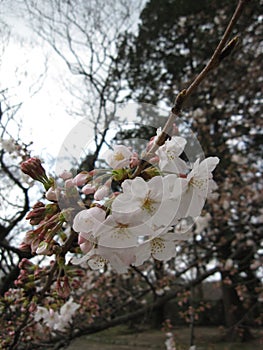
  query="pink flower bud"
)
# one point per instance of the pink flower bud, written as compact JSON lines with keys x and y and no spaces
{"x":25,"y":264}
{"x":81,"y":178}
{"x":34,"y":169}
{"x":134,"y":160}
{"x":51,"y":195}
{"x":88,"y":189}
{"x":101,"y":192}
{"x":35,"y":244}
{"x":150,"y":143}
{"x":65,"y":175}
{"x":63,"y":287}
{"x":85,"y":245}
{"x":25,"y":247}
{"x":37,"y":214}
{"x":175,"y":130}
{"x":154,"y":160}
{"x":30,"y":235}
{"x":43,"y":248}
{"x":38,"y":205}
{"x":32,"y":307}
{"x":69,"y":183}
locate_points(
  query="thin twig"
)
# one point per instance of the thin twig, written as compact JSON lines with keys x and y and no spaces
{"x":146,"y":280}
{"x":222,"y":50}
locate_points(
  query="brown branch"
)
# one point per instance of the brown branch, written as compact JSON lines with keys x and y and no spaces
{"x":65,"y":248}
{"x":145,"y":277}
{"x":222,"y":50}
{"x":100,"y":326}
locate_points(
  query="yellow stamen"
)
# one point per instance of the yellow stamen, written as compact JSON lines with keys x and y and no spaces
{"x":118,"y":156}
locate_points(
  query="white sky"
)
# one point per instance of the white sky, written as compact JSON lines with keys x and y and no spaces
{"x":45,"y":120}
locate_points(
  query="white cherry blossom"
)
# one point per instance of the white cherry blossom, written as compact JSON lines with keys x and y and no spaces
{"x":119,"y":259}
{"x":68,"y":310}
{"x":197,"y":186}
{"x":120,"y":234}
{"x":145,"y":201}
{"x":161,"y":248}
{"x":119,"y":157}
{"x":87,"y":219}
{"x":169,"y":161}
{"x":41,"y":313}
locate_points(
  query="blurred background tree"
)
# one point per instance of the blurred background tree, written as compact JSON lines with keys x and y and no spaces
{"x":14,"y":188}
{"x":174,"y":40}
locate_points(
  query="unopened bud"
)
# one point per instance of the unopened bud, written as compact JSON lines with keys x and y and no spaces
{"x":43,"y":248}
{"x":65,"y":175}
{"x":81,"y":178}
{"x":101,"y":192}
{"x":33,"y":168}
{"x":51,"y":195}
{"x":88,"y":189}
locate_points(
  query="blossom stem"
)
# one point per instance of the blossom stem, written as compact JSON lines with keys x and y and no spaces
{"x":221,"y":51}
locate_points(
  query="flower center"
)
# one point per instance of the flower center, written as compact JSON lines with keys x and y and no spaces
{"x":157,"y":245}
{"x":121,"y":230}
{"x":170,"y":155}
{"x":198,"y":183}
{"x":148,"y":204}
{"x":118,"y":156}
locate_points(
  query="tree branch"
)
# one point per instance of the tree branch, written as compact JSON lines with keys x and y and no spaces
{"x":222,"y":50}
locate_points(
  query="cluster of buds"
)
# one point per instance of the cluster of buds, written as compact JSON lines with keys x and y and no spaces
{"x":41,"y":240}
{"x":28,"y":274}
{"x":41,"y":212}
{"x":33,"y":168}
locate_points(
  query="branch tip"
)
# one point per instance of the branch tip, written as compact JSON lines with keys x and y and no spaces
{"x":228,"y":49}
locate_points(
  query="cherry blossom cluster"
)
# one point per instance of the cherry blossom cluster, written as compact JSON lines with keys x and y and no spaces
{"x":126,"y":216}
{"x":57,"y":320}
{"x":132,"y":218}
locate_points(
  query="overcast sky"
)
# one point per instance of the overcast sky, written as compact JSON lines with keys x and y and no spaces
{"x":26,"y":57}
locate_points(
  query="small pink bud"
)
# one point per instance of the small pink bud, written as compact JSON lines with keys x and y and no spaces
{"x":51,"y":195}
{"x":150,"y":143}
{"x":25,"y":264}
{"x":88,"y":189}
{"x":25,"y":247}
{"x":69,"y":183}
{"x":81,"y":178}
{"x":36,"y":215}
{"x":154,"y":160}
{"x":34,"y":169}
{"x":43,"y":248}
{"x":65,"y":175}
{"x":38,"y":205}
{"x":101,"y":192}
{"x":175,"y":130}
{"x":85,"y":245}
{"x":63,"y":287}
{"x":134,"y":160}
{"x":32,"y":307}
{"x":30,"y":235}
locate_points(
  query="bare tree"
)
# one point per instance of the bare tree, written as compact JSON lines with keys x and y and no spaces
{"x":86,"y":37}
{"x":14,"y":189}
